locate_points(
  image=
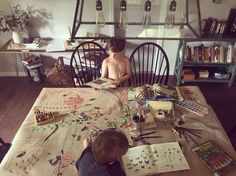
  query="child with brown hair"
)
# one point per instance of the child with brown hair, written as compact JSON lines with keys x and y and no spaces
{"x":117,"y":65}
{"x":101,"y":157}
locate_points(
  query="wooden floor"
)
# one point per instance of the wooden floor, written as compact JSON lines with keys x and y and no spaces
{"x":17,"y":96}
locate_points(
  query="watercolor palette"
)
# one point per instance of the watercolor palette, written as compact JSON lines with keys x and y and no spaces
{"x":193,"y":107}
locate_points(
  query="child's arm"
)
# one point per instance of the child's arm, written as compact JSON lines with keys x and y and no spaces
{"x":104,"y":69}
{"x":87,"y":142}
{"x":127,"y":73}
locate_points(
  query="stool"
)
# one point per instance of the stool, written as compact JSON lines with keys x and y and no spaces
{"x":34,"y":72}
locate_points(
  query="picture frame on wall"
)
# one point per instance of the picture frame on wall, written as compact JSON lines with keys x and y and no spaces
{"x":230,"y":30}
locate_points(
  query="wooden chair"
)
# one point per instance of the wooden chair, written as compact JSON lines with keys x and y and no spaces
{"x":86,"y":63}
{"x":149,"y":65}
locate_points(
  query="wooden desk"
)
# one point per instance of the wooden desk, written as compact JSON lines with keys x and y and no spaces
{"x":10,"y":47}
{"x":53,"y":149}
{"x":20,"y":51}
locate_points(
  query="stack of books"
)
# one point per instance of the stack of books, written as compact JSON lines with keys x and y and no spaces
{"x":32,"y":43}
{"x":32,"y":61}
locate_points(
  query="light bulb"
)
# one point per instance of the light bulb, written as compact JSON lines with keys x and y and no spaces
{"x":100,"y":20}
{"x":170,"y":16}
{"x":146,"y":20}
{"x":123,"y":23}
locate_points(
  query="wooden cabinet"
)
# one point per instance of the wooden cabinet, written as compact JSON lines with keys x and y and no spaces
{"x":205,"y":60}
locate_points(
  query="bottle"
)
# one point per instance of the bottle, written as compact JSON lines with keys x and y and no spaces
{"x":100,"y":20}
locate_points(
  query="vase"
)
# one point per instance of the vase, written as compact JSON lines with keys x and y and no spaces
{"x":17,"y":36}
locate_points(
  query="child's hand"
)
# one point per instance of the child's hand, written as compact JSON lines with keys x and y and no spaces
{"x":112,"y":86}
{"x":87,"y":142}
{"x":117,"y":82}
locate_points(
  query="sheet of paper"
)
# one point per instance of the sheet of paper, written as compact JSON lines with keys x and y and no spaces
{"x":155,"y":158}
{"x":138,"y":161}
{"x":168,"y":157}
{"x":56,"y":45}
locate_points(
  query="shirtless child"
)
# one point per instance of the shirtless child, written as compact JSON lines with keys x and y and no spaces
{"x":117,"y":65}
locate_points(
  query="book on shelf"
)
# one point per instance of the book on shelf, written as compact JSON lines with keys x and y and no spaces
{"x":203,"y":73}
{"x":230,"y":30}
{"x":209,"y":54}
{"x":188,"y":74}
{"x":214,"y":157}
{"x":155,"y":158}
{"x":212,"y":27}
{"x":101,"y":83}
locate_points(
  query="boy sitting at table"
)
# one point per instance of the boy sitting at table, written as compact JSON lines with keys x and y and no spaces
{"x":102,"y":156}
{"x":117,"y":65}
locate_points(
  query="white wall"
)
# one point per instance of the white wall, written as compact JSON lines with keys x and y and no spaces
{"x":52,"y":18}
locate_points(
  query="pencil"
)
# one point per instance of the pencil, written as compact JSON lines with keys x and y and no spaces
{"x":176,"y":132}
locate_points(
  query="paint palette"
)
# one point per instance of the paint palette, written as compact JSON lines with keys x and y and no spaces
{"x":214,"y":157}
{"x":193,"y":106}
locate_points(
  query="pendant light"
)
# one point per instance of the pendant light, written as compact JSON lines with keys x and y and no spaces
{"x":146,"y":20}
{"x":123,"y":23}
{"x":170,"y":16}
{"x":100,"y":20}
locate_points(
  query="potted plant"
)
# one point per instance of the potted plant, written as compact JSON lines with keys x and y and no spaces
{"x":15,"y":22}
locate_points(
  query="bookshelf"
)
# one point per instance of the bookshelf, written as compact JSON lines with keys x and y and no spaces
{"x":205,"y":60}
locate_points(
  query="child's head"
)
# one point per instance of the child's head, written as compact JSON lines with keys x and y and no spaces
{"x":116,"y":45}
{"x":109,"y":146}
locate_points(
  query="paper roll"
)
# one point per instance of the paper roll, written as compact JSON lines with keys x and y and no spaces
{"x":160,"y":105}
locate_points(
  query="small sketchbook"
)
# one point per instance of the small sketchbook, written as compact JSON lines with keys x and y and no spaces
{"x":155,"y":158}
{"x":101,"y":83}
{"x":215,"y":158}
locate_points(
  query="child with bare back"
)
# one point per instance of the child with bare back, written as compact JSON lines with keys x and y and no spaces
{"x":117,"y":65}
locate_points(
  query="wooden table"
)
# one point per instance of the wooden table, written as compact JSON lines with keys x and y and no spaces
{"x":53,"y":149}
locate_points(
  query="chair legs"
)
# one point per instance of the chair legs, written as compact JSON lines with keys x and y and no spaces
{"x":4,"y":147}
